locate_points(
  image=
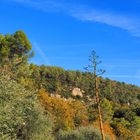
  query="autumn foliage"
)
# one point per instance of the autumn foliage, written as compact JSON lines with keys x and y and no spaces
{"x":36,"y":102}
{"x":67,"y":114}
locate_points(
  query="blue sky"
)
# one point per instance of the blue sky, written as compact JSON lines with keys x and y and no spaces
{"x":63,"y":33}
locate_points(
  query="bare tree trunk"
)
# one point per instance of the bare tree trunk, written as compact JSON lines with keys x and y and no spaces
{"x":94,"y":59}
{"x":99,"y":109}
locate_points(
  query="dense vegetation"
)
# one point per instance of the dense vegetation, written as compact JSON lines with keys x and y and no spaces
{"x":36,"y":102}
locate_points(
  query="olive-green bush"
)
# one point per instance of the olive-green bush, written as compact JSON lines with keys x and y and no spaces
{"x":83,"y":133}
{"x":21,"y":117}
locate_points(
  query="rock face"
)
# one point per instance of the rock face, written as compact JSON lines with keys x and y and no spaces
{"x":77,"y":92}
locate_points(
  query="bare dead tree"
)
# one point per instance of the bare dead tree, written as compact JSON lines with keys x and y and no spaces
{"x":93,"y":68}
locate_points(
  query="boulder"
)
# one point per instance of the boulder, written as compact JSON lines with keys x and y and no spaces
{"x":77,"y":92}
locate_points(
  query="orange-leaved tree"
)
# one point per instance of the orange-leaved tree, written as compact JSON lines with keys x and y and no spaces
{"x":59,"y":109}
{"x":67,"y":114}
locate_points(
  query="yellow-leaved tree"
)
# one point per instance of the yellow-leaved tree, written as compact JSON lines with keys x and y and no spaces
{"x":66,"y":114}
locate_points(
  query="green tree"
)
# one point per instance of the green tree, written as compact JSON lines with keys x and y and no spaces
{"x":107,"y":110}
{"x":14,"y":50}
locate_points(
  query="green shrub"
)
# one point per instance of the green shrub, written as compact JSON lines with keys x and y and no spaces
{"x":83,"y":133}
{"x":21,"y":116}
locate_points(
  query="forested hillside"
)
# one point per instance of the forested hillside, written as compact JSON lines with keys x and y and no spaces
{"x":48,"y":102}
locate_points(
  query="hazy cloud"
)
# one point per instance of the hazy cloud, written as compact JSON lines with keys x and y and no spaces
{"x":123,"y":76}
{"x":122,"y":64}
{"x":41,"y":53}
{"x":43,"y":5}
{"x":84,"y":13}
{"x":109,"y":18}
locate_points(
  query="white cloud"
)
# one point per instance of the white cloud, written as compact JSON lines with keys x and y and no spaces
{"x":109,"y":18}
{"x":41,"y":53}
{"x":85,"y":13}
